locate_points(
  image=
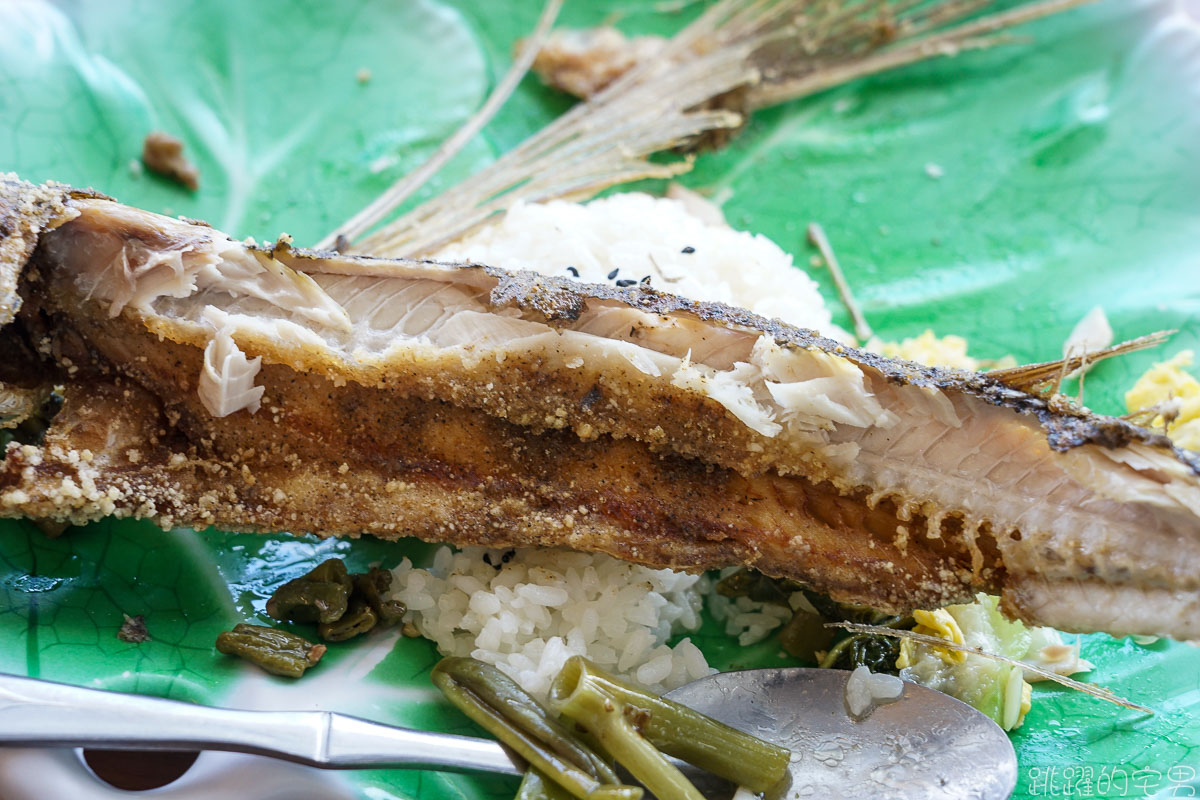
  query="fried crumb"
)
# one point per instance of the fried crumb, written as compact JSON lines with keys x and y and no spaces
{"x":133,"y":630}
{"x":583,"y":62}
{"x":163,"y":154}
{"x":51,"y":527}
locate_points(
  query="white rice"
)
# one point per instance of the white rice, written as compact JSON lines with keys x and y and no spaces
{"x":751,"y":621}
{"x":534,"y":611}
{"x":634,"y":235}
{"x":866,"y":690}
{"x":542,"y":606}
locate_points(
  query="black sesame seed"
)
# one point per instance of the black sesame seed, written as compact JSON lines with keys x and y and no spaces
{"x":508,"y":556}
{"x":646,"y":280}
{"x":573,"y":271}
{"x":613,"y":274}
{"x":688,"y":250}
{"x":625,"y":282}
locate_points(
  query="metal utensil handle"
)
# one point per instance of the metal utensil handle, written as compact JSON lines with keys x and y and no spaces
{"x":36,"y":713}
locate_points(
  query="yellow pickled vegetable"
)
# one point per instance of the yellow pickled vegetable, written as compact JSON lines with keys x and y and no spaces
{"x":1175,"y":393}
{"x":934,"y":623}
{"x":934,"y":351}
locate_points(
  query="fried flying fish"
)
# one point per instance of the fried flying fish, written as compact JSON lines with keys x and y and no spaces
{"x":209,"y":381}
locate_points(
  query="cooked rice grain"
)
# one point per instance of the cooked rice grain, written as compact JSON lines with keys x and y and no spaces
{"x":626,"y":237}
{"x":540,"y":607}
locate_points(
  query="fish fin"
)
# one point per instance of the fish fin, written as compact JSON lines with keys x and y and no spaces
{"x":1037,"y":377}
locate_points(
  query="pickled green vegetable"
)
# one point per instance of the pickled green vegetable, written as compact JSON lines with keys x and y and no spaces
{"x":805,"y":635}
{"x":358,"y":619}
{"x":342,"y":605}
{"x":276,"y":651}
{"x":332,"y":570}
{"x":758,"y":587}
{"x":536,"y":786}
{"x":321,"y":596}
{"x":372,"y":585}
{"x":587,"y":694}
{"x":878,"y":653}
{"x":496,"y":703}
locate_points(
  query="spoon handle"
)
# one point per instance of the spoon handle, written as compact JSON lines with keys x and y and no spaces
{"x":36,"y":713}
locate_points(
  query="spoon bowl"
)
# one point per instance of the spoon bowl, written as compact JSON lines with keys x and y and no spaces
{"x":924,"y":745}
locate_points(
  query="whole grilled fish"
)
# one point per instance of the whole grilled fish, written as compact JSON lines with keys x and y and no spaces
{"x":209,"y":381}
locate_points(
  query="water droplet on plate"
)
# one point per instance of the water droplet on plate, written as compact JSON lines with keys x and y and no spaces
{"x":34,"y":584}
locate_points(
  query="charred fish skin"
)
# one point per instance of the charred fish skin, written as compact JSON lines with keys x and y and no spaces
{"x":550,"y":381}
{"x":561,"y":303}
{"x":996,"y":486}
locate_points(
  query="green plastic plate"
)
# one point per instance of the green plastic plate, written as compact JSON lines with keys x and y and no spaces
{"x":1069,"y":168}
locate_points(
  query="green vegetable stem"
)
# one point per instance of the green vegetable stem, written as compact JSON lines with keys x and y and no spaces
{"x":536,"y":786}
{"x":590,"y":704}
{"x":630,"y":723}
{"x":497,"y":704}
{"x":276,"y":651}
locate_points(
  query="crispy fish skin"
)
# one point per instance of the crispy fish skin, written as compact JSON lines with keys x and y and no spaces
{"x":750,"y":441}
{"x":452,"y":474}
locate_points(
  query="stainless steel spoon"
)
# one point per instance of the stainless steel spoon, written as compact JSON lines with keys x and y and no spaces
{"x":926,"y":745}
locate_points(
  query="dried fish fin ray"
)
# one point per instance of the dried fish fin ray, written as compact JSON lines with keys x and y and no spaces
{"x":1031,"y":377}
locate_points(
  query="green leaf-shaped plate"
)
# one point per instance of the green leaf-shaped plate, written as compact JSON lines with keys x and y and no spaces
{"x":1069,"y":171}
